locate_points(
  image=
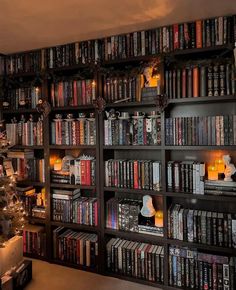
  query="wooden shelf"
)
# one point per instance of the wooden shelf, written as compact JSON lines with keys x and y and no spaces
{"x":201,"y":196}
{"x":34,"y":256}
{"x":136,"y":236}
{"x":40,"y":147}
{"x":132,"y":147}
{"x":221,"y":250}
{"x":24,"y":74}
{"x":20,"y":111}
{"x":70,"y":67}
{"x":29,"y":182}
{"x":75,"y":226}
{"x":34,"y":220}
{"x":72,"y":108}
{"x":57,"y":185}
{"x":128,"y":190}
{"x":72,"y":147}
{"x":200,"y":100}
{"x":131,"y":104}
{"x":135,"y":280}
{"x":201,"y":147}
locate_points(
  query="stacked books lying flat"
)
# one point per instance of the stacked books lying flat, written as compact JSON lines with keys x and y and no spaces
{"x":200,"y":226}
{"x":135,"y":131}
{"x":196,"y":80}
{"x":73,"y":131}
{"x":219,"y":187}
{"x":28,"y":133}
{"x":135,"y":259}
{"x":73,"y":93}
{"x":81,"y":171}
{"x":84,"y":245}
{"x":134,"y":174}
{"x":191,"y":269}
{"x":186,"y":176}
{"x":34,"y":240}
{"x":207,"y":130}
{"x":32,"y":200}
{"x":24,"y":97}
{"x":68,"y":206}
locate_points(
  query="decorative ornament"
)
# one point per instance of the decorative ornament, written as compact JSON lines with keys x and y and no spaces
{"x":148,"y":209}
{"x":229,"y":168}
{"x":43,"y":107}
{"x":99,"y":104}
{"x":161,"y":102}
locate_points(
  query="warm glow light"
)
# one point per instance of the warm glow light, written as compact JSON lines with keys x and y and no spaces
{"x":57,"y":164}
{"x":212,"y":172}
{"x":93,"y":83}
{"x":159,"y":218}
{"x":220,"y":165}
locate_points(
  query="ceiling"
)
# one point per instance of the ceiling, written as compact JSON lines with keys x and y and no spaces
{"x":30,"y":24}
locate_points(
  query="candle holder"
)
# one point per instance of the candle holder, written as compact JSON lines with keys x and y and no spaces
{"x":212,"y":172}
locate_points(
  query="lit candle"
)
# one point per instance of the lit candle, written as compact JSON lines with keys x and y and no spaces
{"x":159,"y":219}
{"x":57,"y":164}
{"x":220,"y":165}
{"x":212,"y":172}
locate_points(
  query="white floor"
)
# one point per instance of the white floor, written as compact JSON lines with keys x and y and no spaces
{"x":50,"y":276}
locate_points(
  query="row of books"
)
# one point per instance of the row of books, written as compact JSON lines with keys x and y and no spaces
{"x":75,"y":247}
{"x":81,"y":171}
{"x":220,"y":187}
{"x":24,"y":132}
{"x":70,"y":131}
{"x":73,"y":93}
{"x":196,"y":34}
{"x":122,"y":214}
{"x":207,"y":130}
{"x":203,"y":227}
{"x":123,"y":88}
{"x":31,"y":169}
{"x":34,"y":240}
{"x":70,"y":207}
{"x":185,"y":176}
{"x":143,"y":131}
{"x":134,"y":174}
{"x":135,"y":259}
{"x":191,"y":81}
{"x":191,"y":269}
{"x":23,"y":97}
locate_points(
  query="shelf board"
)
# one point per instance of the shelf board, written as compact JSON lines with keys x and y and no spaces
{"x":135,"y":280}
{"x":19,"y":111}
{"x":132,"y":147}
{"x":70,"y":67}
{"x":23,"y":74}
{"x":57,"y":185}
{"x":131,"y":104}
{"x":201,"y":196}
{"x":29,"y":182}
{"x":75,"y":226}
{"x":36,"y":220}
{"x":136,"y":236}
{"x":199,"y":100}
{"x":222,"y":250}
{"x":201,"y":147}
{"x":72,"y":147}
{"x":71,"y":265}
{"x":27,"y":147}
{"x":72,"y":108}
{"x":128,"y":190}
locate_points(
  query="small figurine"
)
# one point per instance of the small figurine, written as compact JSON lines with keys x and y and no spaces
{"x":147,"y":212}
{"x":229,"y":168}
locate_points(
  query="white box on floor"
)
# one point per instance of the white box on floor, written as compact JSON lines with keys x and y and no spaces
{"x":11,"y":254}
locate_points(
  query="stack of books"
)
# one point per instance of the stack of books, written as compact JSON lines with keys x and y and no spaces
{"x":219,"y":187}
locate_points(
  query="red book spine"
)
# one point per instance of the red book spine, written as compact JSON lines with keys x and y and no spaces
{"x":195,"y":82}
{"x":96,"y":213}
{"x":60,"y":95}
{"x":199,"y":34}
{"x":83,"y":172}
{"x":88,"y":172}
{"x":176,"y":36}
{"x":83,"y":92}
{"x":136,"y":174}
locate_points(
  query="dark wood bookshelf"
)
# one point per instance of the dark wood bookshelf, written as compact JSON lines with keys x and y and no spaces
{"x":72,"y":186}
{"x":136,"y":236}
{"x":34,"y":220}
{"x":132,"y":147}
{"x":34,"y":256}
{"x":40,"y":147}
{"x":75,"y":266}
{"x":29,"y":182}
{"x":131,"y":104}
{"x":78,"y":227}
{"x":73,"y":108}
{"x":138,"y":191}
{"x":202,"y":100}
{"x":64,"y":147}
{"x":202,"y":147}
{"x":19,"y":111}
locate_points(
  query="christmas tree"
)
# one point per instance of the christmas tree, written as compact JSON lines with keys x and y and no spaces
{"x":12,"y":214}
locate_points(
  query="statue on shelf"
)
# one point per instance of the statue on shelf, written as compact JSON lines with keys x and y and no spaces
{"x":147,"y":212}
{"x":229,"y":168}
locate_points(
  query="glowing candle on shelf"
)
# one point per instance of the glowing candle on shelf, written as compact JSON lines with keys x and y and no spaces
{"x":58,"y":164}
{"x":220,"y":165}
{"x":212,"y":172}
{"x":159,"y":218}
